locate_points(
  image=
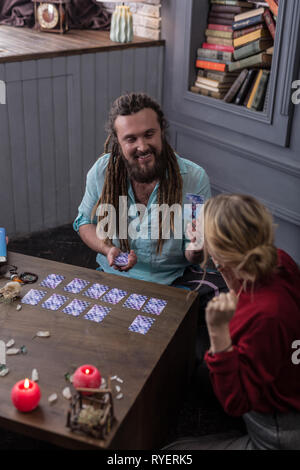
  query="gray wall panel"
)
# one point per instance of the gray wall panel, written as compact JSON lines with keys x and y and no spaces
{"x":7,"y":213}
{"x":47,"y":142}
{"x":102,"y":100}
{"x":75,"y":131}
{"x":52,"y":129}
{"x":17,"y":142}
{"x":60,"y":116}
{"x":88,"y":107}
{"x":32,"y":144}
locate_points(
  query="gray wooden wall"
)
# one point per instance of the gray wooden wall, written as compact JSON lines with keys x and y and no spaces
{"x":234,"y":161}
{"x":52,"y":129}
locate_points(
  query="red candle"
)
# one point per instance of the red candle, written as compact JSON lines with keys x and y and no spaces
{"x":25,"y":395}
{"x":87,"y":376}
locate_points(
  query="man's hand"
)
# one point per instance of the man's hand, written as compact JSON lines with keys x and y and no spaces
{"x":114,"y":252}
{"x":220,"y":310}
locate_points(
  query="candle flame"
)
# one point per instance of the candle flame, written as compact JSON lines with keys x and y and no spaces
{"x":26,"y":383}
{"x":87,"y":371}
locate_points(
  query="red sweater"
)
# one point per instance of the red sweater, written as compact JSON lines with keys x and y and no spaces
{"x":259,"y":373}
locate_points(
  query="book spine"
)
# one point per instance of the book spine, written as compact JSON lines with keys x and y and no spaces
{"x":215,"y":20}
{"x":203,"y":64}
{"x":245,"y":87}
{"x":219,"y":27}
{"x":219,"y":34}
{"x":209,"y":59}
{"x":231,"y":3}
{"x":230,"y":95}
{"x":244,"y":40}
{"x":270,"y":23}
{"x":260,"y":93}
{"x":247,"y":51}
{"x":227,"y":9}
{"x":273,"y":7}
{"x":213,"y":75}
{"x":212,"y":94}
{"x":226,"y":16}
{"x":253,"y":61}
{"x":243,"y":32}
{"x":214,"y":54}
{"x":217,"y":47}
{"x":249,"y":92}
{"x":194,"y":89}
{"x":249,"y":14}
{"x":254,"y":90}
{"x":221,"y":41}
{"x":250,"y":21}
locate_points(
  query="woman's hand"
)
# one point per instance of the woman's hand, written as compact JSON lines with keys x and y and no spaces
{"x":229,"y":277}
{"x":218,"y":314}
{"x":220,"y":310}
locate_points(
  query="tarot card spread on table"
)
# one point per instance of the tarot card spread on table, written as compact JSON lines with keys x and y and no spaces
{"x":97,"y":313}
{"x":54,"y":302}
{"x":52,"y":280}
{"x":95,"y":291}
{"x":76,"y":307}
{"x":141,"y":324}
{"x":33,"y":296}
{"x":76,"y":285}
{"x":114,"y":296}
{"x":135,"y":301}
{"x":155,"y":306}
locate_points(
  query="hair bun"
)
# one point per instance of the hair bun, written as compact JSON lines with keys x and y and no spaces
{"x":259,"y":262}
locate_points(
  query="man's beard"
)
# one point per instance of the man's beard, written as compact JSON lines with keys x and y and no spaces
{"x":144,"y":174}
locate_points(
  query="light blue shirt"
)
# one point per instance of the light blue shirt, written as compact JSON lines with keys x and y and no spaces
{"x":162,"y":268}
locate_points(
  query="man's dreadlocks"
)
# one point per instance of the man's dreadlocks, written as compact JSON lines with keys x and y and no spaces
{"x":115,"y":184}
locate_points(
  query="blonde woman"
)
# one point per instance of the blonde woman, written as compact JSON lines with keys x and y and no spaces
{"x":252,"y":328}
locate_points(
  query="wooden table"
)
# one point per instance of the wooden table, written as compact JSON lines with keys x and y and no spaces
{"x":154,"y":367}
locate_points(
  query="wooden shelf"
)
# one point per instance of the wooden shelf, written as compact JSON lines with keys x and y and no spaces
{"x":19,"y":44}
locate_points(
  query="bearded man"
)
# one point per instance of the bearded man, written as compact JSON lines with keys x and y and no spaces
{"x":138,"y":163}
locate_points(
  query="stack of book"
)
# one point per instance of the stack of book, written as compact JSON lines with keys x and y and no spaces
{"x":237,"y":55}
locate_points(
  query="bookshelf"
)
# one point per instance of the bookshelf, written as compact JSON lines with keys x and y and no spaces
{"x":272,"y":123}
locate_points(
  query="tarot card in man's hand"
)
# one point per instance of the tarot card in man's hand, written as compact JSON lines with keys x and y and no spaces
{"x":33,"y":297}
{"x":155,"y":306}
{"x":135,"y":301}
{"x":121,"y":259}
{"x":141,"y":324}
{"x":76,"y":285}
{"x":52,"y":280}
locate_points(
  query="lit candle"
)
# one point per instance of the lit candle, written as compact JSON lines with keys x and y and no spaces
{"x":25,"y":395}
{"x":87,"y":376}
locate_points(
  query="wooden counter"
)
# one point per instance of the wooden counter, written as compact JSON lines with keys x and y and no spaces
{"x":19,"y":44}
